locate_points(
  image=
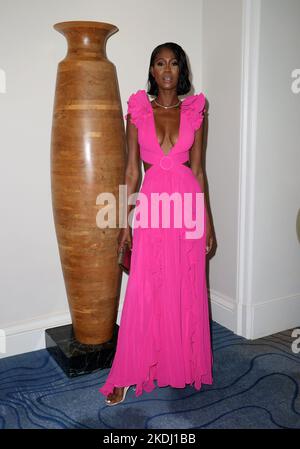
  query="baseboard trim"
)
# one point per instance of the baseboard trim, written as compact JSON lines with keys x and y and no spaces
{"x":268,"y":317}
{"x":29,"y":335}
{"x":275,"y":315}
{"x":223,"y":310}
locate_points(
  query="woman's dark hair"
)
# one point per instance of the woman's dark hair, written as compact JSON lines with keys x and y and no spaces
{"x":184,"y":85}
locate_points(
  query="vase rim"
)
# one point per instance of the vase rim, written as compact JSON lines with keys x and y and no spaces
{"x":60,"y":26}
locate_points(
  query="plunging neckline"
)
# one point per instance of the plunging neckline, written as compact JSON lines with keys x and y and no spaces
{"x":154,"y":127}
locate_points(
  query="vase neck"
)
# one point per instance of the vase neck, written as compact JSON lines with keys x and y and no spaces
{"x":86,"y":40}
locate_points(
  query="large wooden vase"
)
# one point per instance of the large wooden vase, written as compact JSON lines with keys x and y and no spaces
{"x":87,"y":158}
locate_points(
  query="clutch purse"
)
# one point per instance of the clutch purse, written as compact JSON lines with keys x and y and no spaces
{"x":124,"y":258}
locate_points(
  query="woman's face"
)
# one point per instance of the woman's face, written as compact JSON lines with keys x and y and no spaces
{"x":165,"y":69}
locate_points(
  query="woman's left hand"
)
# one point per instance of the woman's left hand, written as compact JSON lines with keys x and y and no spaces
{"x":209,"y":238}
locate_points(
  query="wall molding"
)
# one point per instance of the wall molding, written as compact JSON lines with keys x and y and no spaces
{"x":223,"y":309}
{"x":249,"y":88}
{"x":30,"y":335}
{"x":284,"y":310}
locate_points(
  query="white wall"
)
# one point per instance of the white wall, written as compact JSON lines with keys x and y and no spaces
{"x":222,"y":59}
{"x":276,"y":268}
{"x":250,"y":48}
{"x":33,"y":294}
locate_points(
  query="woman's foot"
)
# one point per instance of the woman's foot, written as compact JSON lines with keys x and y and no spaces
{"x":118,"y":395}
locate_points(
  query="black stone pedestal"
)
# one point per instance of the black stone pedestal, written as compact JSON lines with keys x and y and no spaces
{"x":76,"y":358}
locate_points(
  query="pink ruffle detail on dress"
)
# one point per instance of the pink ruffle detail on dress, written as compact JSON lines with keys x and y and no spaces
{"x":194,"y":107}
{"x":137,"y":107}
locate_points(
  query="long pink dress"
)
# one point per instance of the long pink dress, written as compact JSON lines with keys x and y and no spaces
{"x":164,"y":331}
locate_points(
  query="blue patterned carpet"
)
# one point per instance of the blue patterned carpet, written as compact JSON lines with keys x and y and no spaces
{"x":256,"y":385}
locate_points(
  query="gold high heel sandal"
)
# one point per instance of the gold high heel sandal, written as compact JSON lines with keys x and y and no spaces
{"x":108,"y":402}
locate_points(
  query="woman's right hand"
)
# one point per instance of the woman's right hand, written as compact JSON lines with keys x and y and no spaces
{"x":125,"y":236}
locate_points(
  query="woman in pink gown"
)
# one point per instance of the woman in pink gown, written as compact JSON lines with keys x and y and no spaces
{"x":164,"y":332}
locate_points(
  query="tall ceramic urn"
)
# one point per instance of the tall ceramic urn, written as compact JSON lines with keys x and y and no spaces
{"x":87,"y":158}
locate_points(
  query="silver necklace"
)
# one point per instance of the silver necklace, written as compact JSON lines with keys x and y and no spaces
{"x":167,"y":107}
